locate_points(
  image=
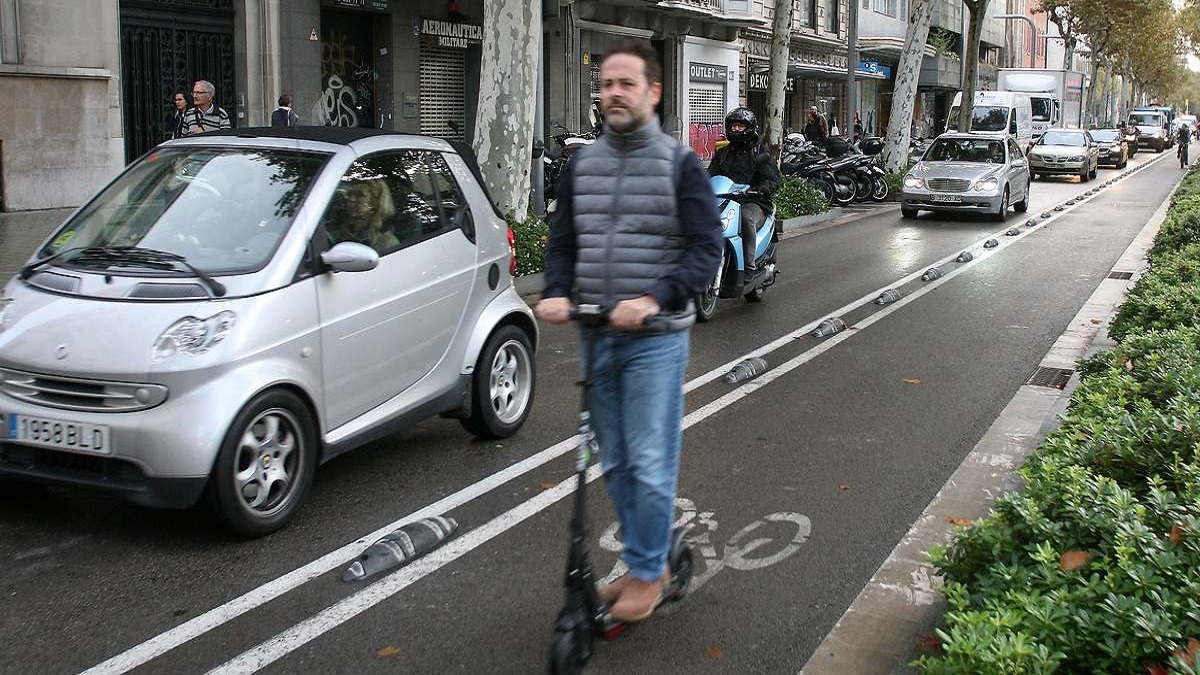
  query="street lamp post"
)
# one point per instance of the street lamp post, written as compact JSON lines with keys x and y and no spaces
{"x":1032,"y":29}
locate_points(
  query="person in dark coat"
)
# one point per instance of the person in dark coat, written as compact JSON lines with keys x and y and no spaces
{"x":173,"y":124}
{"x":817,"y":129}
{"x":745,"y":160}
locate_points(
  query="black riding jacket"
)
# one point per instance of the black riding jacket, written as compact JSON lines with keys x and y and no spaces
{"x":750,"y":165}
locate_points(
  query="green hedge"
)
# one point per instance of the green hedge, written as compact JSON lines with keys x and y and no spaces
{"x":530,"y":237}
{"x":797,"y":197}
{"x":1094,"y":566}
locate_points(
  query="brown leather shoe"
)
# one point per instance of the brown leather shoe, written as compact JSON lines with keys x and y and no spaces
{"x":610,"y":592}
{"x":639,"y":599}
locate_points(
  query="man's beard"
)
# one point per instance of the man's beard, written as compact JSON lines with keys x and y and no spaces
{"x":632,"y":119}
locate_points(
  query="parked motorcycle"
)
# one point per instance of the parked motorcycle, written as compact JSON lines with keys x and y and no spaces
{"x":731,"y":279}
{"x":566,"y":142}
{"x":800,"y":158}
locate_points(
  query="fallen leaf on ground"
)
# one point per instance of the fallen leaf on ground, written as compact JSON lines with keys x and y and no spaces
{"x":714,"y":652}
{"x":843,"y":487}
{"x":929,"y":643}
{"x":911,"y":380}
{"x":1176,"y":533}
{"x":1095,"y":320}
{"x":387,"y":652}
{"x":1073,"y":560}
{"x":547,"y":486}
{"x":964,"y":522}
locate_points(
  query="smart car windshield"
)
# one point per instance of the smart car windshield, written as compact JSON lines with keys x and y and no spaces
{"x":1072,"y":139}
{"x":966,"y":150}
{"x":223,"y":210}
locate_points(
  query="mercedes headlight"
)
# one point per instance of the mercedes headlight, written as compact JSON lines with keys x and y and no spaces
{"x":911,"y":181}
{"x":1077,"y":158}
{"x":987,"y":185}
{"x":191,"y":335}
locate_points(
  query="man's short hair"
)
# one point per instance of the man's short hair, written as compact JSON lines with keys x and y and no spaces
{"x":644,"y":51}
{"x":207,"y":86}
{"x":285,"y":100}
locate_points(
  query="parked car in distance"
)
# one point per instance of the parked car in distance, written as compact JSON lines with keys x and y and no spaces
{"x":1111,"y":147}
{"x":968,"y":172}
{"x":1065,"y":152}
{"x":236,"y":308}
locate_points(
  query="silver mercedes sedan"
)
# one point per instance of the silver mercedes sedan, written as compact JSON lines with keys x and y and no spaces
{"x":968,"y":173}
{"x":237,"y":308}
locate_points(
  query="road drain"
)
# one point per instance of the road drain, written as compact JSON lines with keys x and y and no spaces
{"x":1120,"y":275}
{"x":1050,"y":377}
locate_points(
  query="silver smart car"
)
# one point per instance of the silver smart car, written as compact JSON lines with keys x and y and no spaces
{"x":237,"y":308}
{"x":968,"y":172}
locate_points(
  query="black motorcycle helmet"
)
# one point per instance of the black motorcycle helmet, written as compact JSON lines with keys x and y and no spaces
{"x":744,"y":138}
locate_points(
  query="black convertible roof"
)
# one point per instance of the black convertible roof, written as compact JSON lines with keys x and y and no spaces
{"x":346,"y":136}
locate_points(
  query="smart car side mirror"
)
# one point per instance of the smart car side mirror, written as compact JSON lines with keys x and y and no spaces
{"x":350,"y":256}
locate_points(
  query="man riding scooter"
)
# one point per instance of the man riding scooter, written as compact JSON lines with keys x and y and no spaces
{"x":745,"y":160}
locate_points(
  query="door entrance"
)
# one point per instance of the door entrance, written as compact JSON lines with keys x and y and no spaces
{"x":165,"y":47}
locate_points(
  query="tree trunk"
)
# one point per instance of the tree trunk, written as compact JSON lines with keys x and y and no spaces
{"x":512,"y":36}
{"x":781,"y":39}
{"x":970,"y":61}
{"x":1094,"y":91}
{"x":908,"y":71}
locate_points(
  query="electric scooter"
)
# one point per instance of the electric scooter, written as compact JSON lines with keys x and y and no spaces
{"x":583,"y":617}
{"x":731,"y":279}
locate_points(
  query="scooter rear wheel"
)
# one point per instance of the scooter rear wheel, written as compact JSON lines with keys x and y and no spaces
{"x":566,"y":654}
{"x":756,"y":295}
{"x":682,"y":568}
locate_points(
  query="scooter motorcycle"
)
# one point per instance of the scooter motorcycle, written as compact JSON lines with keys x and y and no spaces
{"x":870,"y":178}
{"x":802,"y":159}
{"x":731,"y":279}
{"x":568,"y":143}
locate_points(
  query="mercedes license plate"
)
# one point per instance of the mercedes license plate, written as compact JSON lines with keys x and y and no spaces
{"x":52,"y":433}
{"x":947,"y":199}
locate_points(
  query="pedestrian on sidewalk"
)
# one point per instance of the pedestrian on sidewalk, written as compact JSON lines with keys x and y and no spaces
{"x":649,"y":257}
{"x":173,"y":124}
{"x":816,"y":130}
{"x":204,"y":115}
{"x":284,"y":116}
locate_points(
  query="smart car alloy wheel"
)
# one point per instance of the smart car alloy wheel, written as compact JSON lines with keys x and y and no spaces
{"x":266,"y":463}
{"x":503,"y":386}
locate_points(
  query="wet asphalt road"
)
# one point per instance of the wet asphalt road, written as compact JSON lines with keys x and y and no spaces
{"x":800,"y":489}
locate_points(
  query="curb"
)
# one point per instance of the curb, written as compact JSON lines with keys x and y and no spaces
{"x":879,"y":631}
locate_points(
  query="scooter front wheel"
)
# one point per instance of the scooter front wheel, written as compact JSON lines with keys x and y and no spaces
{"x":567,"y":654}
{"x":879,"y":189}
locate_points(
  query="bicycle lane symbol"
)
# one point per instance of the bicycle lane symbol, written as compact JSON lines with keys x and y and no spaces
{"x":743,"y":551}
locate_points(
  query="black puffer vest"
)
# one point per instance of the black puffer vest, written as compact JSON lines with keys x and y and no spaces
{"x":627,"y":232}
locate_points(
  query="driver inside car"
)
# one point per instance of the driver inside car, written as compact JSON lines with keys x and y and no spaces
{"x":360,"y":211}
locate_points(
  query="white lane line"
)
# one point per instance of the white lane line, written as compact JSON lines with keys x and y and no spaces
{"x":197,"y":626}
{"x":284,"y":643}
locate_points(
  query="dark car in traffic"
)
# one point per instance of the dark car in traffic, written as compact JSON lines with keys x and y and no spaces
{"x":1112,"y":147}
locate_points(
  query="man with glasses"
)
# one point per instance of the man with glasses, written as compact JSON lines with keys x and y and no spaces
{"x":204,"y":115}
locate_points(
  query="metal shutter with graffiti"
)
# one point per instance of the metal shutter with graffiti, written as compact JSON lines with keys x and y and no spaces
{"x":706,"y":116}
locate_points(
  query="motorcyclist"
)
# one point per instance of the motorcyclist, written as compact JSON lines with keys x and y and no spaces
{"x":1184,"y":138}
{"x":745,"y":160}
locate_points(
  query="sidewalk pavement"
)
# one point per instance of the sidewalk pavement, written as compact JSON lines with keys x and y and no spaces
{"x":20,"y":234}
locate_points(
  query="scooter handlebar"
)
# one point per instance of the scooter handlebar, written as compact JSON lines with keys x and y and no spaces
{"x":595,"y":316}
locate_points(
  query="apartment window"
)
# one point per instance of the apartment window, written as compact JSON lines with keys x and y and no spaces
{"x":888,"y":7}
{"x":834,"y":16}
{"x":10,"y":40}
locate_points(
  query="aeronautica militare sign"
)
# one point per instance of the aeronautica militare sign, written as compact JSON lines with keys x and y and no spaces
{"x":449,"y":33}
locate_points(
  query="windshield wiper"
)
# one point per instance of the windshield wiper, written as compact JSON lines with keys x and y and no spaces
{"x":147,"y":257}
{"x":28,"y":270}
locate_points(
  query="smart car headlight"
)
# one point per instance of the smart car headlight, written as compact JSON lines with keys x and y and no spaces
{"x":911,"y":181}
{"x":191,"y":335}
{"x":987,"y":185}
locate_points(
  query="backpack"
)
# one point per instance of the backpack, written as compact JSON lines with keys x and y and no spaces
{"x":282,"y":117}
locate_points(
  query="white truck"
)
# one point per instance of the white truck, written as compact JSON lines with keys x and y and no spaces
{"x":1055,"y":95}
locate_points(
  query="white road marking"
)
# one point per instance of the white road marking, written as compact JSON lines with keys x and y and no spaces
{"x":166,"y":641}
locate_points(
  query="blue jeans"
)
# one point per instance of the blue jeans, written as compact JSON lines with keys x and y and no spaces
{"x":636,"y":406}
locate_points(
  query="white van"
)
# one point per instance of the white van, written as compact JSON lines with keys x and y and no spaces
{"x":997,"y":111}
